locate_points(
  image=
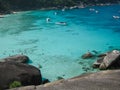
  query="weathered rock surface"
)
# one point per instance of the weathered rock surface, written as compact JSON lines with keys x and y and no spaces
{"x":108,"y":60}
{"x":104,"y":80}
{"x":17,"y":58}
{"x":14,"y":71}
{"x":97,"y":63}
{"x":87,"y":55}
{"x":102,"y":55}
{"x":112,"y":59}
{"x":32,"y":87}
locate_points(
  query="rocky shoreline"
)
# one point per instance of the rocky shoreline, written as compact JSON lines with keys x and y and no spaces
{"x":104,"y":80}
{"x":15,"y":69}
{"x":57,"y":8}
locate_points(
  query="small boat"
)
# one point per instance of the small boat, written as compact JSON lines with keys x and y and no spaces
{"x":1,"y":16}
{"x":92,"y":9}
{"x":61,"y":23}
{"x":96,"y":11}
{"x":116,"y":17}
{"x":63,"y":9}
{"x":55,"y":13}
{"x":47,"y":19}
{"x":14,"y":12}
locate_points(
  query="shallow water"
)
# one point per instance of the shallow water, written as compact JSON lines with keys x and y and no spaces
{"x":57,"y":49}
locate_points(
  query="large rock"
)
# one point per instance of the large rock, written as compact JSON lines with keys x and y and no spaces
{"x":14,"y":71}
{"x":102,"y":55}
{"x":87,"y":55}
{"x":17,"y":58}
{"x":112,"y":59}
{"x":104,"y":80}
{"x":97,"y":63}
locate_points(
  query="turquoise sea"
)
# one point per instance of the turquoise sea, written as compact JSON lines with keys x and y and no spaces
{"x":57,"y":49}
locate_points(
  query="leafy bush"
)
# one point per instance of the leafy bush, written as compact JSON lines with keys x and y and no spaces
{"x":15,"y":84}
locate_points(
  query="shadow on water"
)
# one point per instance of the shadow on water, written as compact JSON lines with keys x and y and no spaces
{"x":29,"y":61}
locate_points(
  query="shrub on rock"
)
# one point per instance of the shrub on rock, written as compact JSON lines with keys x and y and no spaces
{"x":15,"y":84}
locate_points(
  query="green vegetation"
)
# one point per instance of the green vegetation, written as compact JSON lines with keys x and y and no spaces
{"x":59,"y":78}
{"x":15,"y":84}
{"x":14,"y":5}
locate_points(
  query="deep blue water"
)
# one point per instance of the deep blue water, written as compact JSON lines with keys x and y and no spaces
{"x":58,"y":48}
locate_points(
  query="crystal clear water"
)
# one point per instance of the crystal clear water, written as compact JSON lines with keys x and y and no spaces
{"x":57,"y":49}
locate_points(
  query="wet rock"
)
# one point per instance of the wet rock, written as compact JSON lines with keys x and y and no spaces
{"x":102,"y":55}
{"x":32,"y":87}
{"x":104,"y":80}
{"x":80,"y":63}
{"x":97,"y":63}
{"x":17,"y":58}
{"x":14,"y":71}
{"x":87,"y":55}
{"x":112,"y":59}
{"x":44,"y":81}
{"x":110,"y":47}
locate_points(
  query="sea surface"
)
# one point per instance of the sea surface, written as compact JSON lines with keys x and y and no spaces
{"x":56,"y":49}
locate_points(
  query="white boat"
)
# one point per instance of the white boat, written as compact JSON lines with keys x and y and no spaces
{"x":1,"y":16}
{"x":61,"y":23}
{"x":55,"y":13}
{"x":92,"y":9}
{"x":116,"y":17}
{"x":96,"y":11}
{"x":47,"y":19}
{"x":63,"y":9}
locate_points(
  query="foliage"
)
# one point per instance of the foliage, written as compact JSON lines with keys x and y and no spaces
{"x":9,"y":5}
{"x":59,"y":78}
{"x":15,"y":84}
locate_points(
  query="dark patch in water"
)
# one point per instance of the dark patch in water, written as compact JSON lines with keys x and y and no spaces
{"x":39,"y":66}
{"x":26,"y":42}
{"x":68,"y":30}
{"x":94,"y":51}
{"x":30,"y":61}
{"x":80,"y":63}
{"x":107,"y":43}
{"x":59,"y":78}
{"x":110,"y":47}
{"x":63,"y":75}
{"x":75,"y":33}
{"x":117,"y":30}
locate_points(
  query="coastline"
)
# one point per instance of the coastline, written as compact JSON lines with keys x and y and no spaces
{"x":103,"y":80}
{"x":58,"y":8}
{"x":74,"y":7}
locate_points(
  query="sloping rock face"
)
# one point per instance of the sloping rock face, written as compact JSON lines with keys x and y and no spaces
{"x":104,"y":80}
{"x":14,"y":71}
{"x":112,"y":59}
{"x":17,"y":58}
{"x":87,"y":55}
{"x":97,"y":63}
